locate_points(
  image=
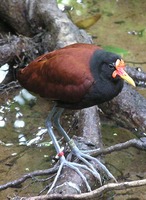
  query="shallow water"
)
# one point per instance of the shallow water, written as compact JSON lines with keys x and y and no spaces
{"x":122,"y":25}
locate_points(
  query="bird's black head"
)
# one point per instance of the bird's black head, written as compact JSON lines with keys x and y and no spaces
{"x":108,"y":66}
{"x":103,"y":64}
{"x":108,"y":72}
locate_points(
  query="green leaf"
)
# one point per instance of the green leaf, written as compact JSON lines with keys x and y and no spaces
{"x":45,"y":144}
{"x":88,"y":22}
{"x":116,"y":50}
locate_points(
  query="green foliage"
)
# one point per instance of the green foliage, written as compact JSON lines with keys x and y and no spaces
{"x":116,"y":50}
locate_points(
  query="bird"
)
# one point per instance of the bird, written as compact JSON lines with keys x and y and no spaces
{"x":75,"y":77}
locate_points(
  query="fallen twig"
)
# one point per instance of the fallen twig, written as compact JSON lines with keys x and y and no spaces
{"x":27,"y":176}
{"x":137,"y":143}
{"x":89,"y":195}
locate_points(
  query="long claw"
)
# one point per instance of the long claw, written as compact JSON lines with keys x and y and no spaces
{"x":56,"y":178}
{"x":92,"y":169}
{"x":83,"y":157}
{"x":73,"y":166}
{"x":103,"y":167}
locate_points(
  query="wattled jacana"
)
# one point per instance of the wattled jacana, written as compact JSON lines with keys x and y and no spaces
{"x":76,"y":77}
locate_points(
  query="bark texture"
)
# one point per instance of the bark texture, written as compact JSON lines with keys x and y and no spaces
{"x":129,"y":109}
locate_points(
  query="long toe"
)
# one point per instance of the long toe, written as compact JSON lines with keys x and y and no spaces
{"x":101,"y":165}
{"x":85,"y":158}
{"x":74,"y":166}
{"x":90,"y":168}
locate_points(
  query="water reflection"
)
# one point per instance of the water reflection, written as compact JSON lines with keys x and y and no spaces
{"x":3,"y":71}
{"x":2,"y":121}
{"x":17,"y":105}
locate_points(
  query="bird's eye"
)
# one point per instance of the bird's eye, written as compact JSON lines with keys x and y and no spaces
{"x":112,"y":65}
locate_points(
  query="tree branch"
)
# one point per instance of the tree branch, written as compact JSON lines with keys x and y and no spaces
{"x":28,"y":176}
{"x":90,"y":195}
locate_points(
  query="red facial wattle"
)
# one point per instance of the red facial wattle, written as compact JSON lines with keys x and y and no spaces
{"x":120,"y":66}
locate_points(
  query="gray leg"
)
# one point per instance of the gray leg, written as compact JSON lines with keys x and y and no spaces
{"x":82,"y":156}
{"x":63,"y":161}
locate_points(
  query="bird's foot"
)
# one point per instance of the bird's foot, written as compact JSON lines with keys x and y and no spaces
{"x":85,"y":158}
{"x":75,"y":166}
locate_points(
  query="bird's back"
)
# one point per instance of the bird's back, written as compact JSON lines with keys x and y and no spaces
{"x":62,"y":75}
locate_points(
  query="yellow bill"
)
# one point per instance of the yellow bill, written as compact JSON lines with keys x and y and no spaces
{"x":120,"y":65}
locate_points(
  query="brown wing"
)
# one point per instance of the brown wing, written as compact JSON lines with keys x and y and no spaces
{"x":63,"y":74}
